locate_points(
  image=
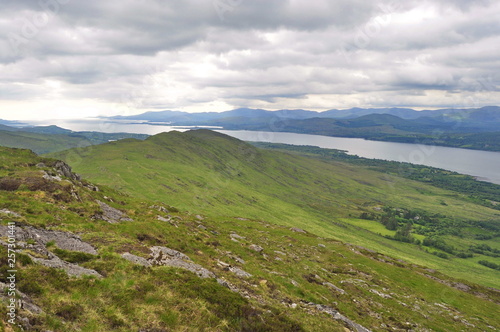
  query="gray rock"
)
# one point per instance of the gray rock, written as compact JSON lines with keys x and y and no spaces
{"x":239,"y":260}
{"x":164,"y":256}
{"x":256,"y":248}
{"x":235,"y":236}
{"x":160,"y":218}
{"x":227,"y":284}
{"x":64,"y":169}
{"x":239,"y":272}
{"x":335,"y":288}
{"x":298,"y":230}
{"x":112,"y":215}
{"x":385,"y":296}
{"x":64,"y":240}
{"x":69,"y":268}
{"x":136,"y":259}
{"x":159,"y":208}
{"x":338,"y":316}
{"x":236,"y":270}
{"x":321,"y":245}
{"x":49,"y":177}
{"x":25,"y":302}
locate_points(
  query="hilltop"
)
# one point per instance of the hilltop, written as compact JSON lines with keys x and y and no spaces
{"x":91,"y":258}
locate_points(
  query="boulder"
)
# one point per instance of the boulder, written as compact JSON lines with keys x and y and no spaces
{"x":112,"y":215}
{"x":256,"y":248}
{"x":164,"y":256}
{"x":136,"y":259}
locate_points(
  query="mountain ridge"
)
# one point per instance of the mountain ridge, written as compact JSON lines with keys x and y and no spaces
{"x":404,"y":113}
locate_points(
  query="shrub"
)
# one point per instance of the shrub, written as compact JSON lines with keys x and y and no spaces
{"x":491,"y":265}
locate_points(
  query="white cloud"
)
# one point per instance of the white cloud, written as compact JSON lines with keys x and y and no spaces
{"x":77,"y":58}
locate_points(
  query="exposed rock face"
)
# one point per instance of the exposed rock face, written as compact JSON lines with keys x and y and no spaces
{"x":64,"y":240}
{"x":112,"y":215}
{"x":64,"y":169}
{"x":71,"y":269}
{"x":169,"y":257}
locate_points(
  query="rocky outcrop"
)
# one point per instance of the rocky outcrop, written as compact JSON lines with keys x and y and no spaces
{"x":24,"y":302}
{"x":164,"y":256}
{"x":112,"y":215}
{"x":136,"y":259}
{"x":69,"y":268}
{"x":234,"y":269}
{"x":335,"y":288}
{"x":40,"y":237}
{"x":65,"y":170}
{"x":353,"y":326}
{"x":36,"y":239}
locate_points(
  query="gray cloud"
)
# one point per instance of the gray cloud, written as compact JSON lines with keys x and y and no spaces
{"x":271,"y":54}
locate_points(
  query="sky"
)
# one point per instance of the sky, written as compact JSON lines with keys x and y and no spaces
{"x":70,"y":59}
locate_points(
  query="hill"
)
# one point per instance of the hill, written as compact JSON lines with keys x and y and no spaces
{"x":93,"y":259}
{"x":45,"y":139}
{"x":221,"y":176}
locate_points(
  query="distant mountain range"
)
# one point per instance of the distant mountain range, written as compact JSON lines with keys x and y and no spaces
{"x":475,"y":115}
{"x":477,"y":128}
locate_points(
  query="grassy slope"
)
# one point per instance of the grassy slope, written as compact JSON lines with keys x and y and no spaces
{"x":130,"y":297}
{"x":222,"y":176}
{"x":40,"y":143}
{"x":52,"y":139}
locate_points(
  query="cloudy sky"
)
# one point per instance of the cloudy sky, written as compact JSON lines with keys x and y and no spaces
{"x":70,"y":58}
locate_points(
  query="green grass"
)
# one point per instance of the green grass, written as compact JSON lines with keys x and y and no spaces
{"x":221,"y":176}
{"x":47,"y":139}
{"x":130,"y":297}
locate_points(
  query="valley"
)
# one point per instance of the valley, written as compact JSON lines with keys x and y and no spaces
{"x":219,"y":175}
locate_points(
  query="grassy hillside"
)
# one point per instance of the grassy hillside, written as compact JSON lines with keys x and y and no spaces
{"x":221,"y":176}
{"x":45,"y":139}
{"x":297,"y":281}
